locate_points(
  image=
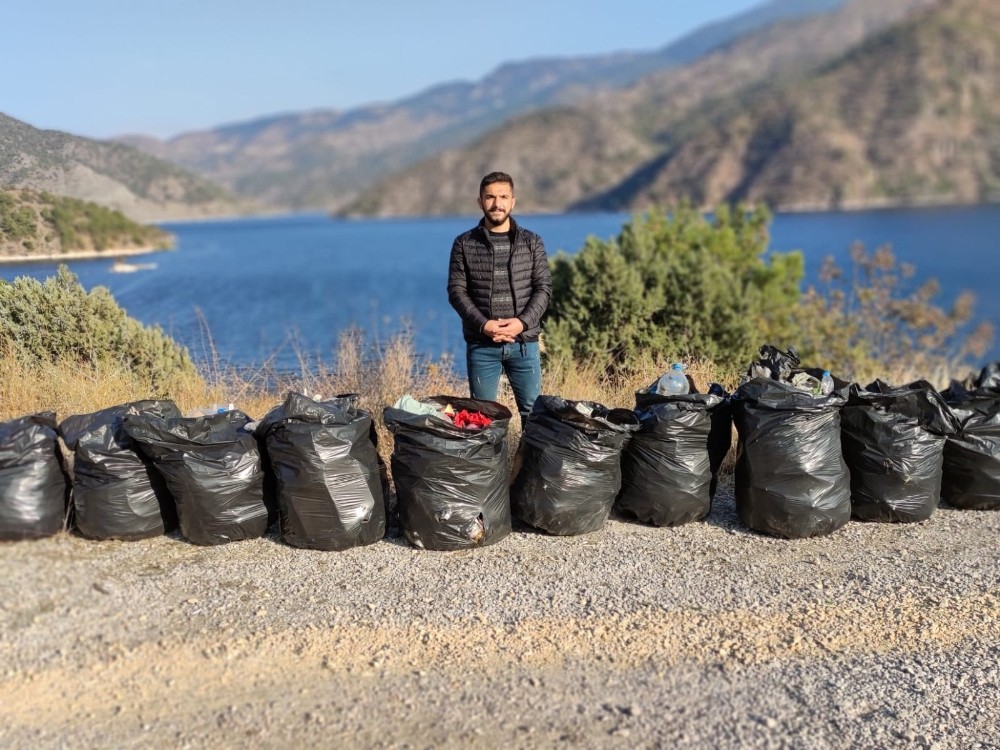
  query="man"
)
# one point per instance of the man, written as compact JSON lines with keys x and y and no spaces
{"x":499,"y":282}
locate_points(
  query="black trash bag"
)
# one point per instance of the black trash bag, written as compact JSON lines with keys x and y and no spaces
{"x":971,"y":476}
{"x":212,"y":468}
{"x":33,"y":487}
{"x":116,"y":491}
{"x":571,"y":473}
{"x":451,"y":483}
{"x":774,"y":364}
{"x":329,"y":490}
{"x":670,"y":466}
{"x":893,"y":441}
{"x":791,"y":479}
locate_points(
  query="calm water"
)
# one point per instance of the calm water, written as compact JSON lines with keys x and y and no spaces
{"x":274,"y":290}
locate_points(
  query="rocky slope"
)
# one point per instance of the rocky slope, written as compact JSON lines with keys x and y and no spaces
{"x":909,"y":117}
{"x":643,"y":123}
{"x":110,"y":174}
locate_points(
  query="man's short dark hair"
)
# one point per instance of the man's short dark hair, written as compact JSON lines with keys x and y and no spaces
{"x":495,"y":177}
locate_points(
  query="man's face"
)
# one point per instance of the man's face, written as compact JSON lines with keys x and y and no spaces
{"x":497,"y":201}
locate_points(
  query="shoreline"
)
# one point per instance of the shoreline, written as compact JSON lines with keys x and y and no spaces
{"x":110,"y":254}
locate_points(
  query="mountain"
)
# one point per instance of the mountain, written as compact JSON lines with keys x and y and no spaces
{"x":908,"y":117}
{"x":325,"y":158}
{"x":111,"y":174}
{"x":628,"y":132}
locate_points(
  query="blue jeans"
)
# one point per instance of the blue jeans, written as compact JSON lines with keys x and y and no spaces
{"x":522,"y":364}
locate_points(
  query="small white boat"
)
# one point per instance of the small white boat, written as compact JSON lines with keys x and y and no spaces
{"x":121,"y":266}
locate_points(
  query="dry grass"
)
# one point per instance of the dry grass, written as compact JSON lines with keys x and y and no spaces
{"x":378,"y":376}
{"x":72,"y":388}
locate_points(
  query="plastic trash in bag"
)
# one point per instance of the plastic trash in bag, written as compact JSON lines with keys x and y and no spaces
{"x":571,"y":473}
{"x":451,"y":482}
{"x":32,"y":484}
{"x":791,"y":479}
{"x":670,"y":466}
{"x":329,"y":488}
{"x":212,"y":467}
{"x":116,"y":491}
{"x":893,"y":441}
{"x":774,"y":364}
{"x":971,"y":475}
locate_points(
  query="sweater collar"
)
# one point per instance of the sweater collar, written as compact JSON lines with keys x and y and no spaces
{"x":512,"y":231}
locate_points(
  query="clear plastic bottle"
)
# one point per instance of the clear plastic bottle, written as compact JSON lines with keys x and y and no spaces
{"x":673,"y":382}
{"x":826,"y":384}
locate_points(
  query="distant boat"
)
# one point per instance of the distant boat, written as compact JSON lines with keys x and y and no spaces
{"x":122,"y":266}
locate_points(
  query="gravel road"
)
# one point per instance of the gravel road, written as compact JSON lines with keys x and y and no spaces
{"x":706,"y":635}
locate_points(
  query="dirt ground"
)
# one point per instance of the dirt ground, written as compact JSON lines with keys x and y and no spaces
{"x":705,"y":635}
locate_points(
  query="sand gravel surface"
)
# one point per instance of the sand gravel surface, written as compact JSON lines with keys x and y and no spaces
{"x":707,"y":635}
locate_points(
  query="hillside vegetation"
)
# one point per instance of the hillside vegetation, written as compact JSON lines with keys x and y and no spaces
{"x":111,"y":174}
{"x":42,"y":224}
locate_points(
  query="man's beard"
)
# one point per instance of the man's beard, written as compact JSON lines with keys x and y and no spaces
{"x":495,"y":222}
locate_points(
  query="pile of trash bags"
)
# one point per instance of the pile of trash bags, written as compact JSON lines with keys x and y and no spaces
{"x":813,"y":451}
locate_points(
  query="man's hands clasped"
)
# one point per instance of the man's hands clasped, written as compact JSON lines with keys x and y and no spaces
{"x":504,"y":330}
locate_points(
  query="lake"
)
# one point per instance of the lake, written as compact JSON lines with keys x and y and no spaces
{"x":276,"y":290}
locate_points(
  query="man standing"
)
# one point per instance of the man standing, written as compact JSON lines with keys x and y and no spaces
{"x":499,"y":282}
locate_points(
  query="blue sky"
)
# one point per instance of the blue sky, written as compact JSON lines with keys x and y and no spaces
{"x":101,"y":68}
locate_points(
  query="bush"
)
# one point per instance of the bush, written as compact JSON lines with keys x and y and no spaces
{"x":17,"y":223}
{"x":875,"y":322}
{"x":57,"y":320}
{"x":674,"y":286}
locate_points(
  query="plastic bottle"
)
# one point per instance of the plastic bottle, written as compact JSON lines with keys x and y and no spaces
{"x":673,"y":382}
{"x":826,"y":384}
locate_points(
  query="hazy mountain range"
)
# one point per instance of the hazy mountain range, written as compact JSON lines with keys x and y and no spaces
{"x":606,"y":152}
{"x":324,"y":158}
{"x":801,"y":103}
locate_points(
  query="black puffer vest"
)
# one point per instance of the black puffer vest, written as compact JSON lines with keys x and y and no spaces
{"x":470,"y":281}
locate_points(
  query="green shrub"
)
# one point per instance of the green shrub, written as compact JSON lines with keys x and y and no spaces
{"x":58,"y":320}
{"x":674,"y":285}
{"x":16,"y":222}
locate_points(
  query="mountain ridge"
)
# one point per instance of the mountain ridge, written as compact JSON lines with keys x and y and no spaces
{"x":645,"y":116}
{"x":905,"y":118}
{"x":323,"y":158}
{"x":113,"y":175}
